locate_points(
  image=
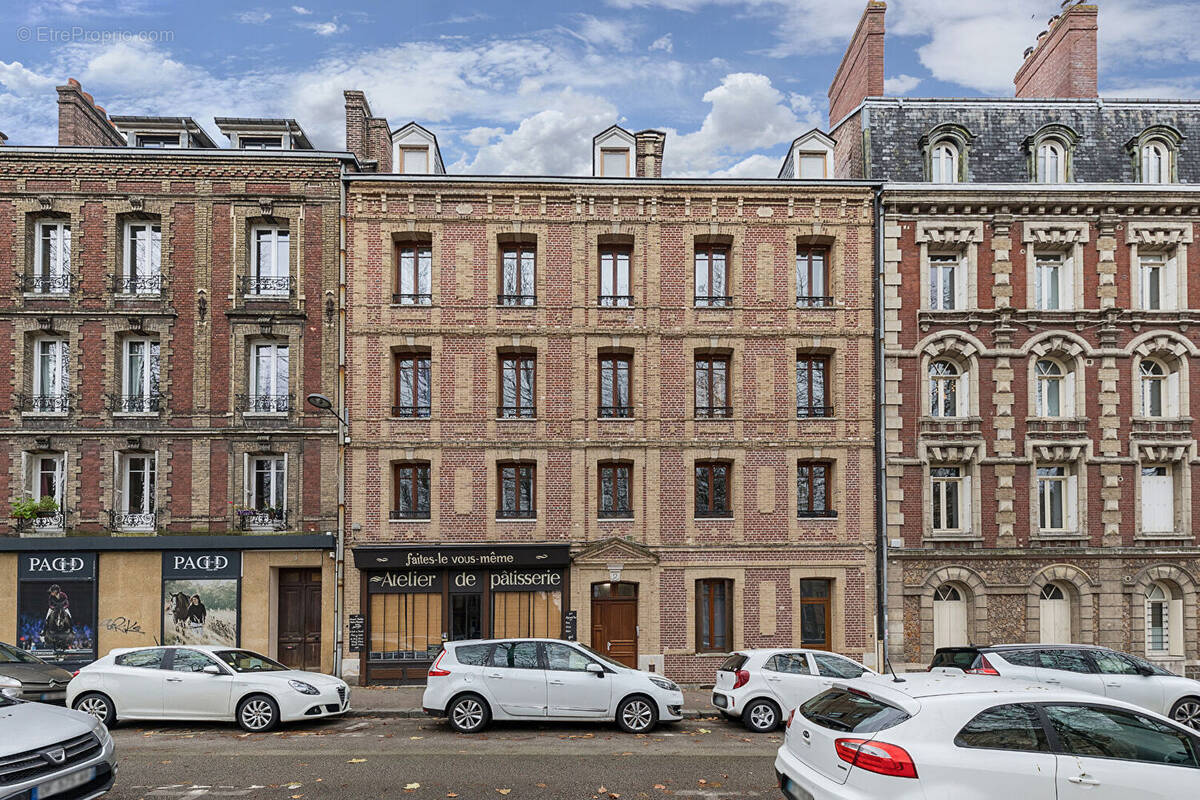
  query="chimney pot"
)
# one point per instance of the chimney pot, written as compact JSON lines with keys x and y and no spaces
{"x":73,"y":82}
{"x":1063,"y":62}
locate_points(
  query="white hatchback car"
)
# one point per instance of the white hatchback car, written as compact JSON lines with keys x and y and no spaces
{"x":203,"y":683}
{"x":942,"y":735}
{"x":760,"y":686}
{"x":473,"y":682}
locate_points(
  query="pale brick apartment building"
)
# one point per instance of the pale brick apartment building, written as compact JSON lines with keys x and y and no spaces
{"x":1039,"y":331}
{"x":167,"y":304}
{"x":631,"y":410}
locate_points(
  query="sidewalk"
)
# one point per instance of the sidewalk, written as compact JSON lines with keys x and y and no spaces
{"x":405,"y":701}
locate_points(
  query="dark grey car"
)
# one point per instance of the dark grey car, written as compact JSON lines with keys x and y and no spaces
{"x":27,"y":677}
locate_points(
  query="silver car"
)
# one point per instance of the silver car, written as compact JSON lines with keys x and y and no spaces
{"x":27,"y":677}
{"x":52,"y":752}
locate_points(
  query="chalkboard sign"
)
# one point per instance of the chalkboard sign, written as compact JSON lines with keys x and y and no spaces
{"x":571,"y":626}
{"x":357,"y":632}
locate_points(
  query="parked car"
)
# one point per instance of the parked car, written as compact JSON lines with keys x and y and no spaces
{"x":52,"y":752}
{"x":948,"y":735}
{"x":473,"y":682}
{"x":1086,"y":668}
{"x":27,"y":677}
{"x":760,"y":686}
{"x":203,"y":683}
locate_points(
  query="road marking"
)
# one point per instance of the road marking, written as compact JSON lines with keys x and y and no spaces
{"x":188,"y":791}
{"x":356,"y":726}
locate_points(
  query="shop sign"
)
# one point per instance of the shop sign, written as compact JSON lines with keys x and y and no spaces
{"x":466,"y":582}
{"x":404,"y":581}
{"x":202,"y":564}
{"x":358,"y":628}
{"x":570,"y":627}
{"x":526,"y":581}
{"x":64,"y":566}
{"x":433,"y":558}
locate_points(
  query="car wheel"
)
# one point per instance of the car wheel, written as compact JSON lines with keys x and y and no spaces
{"x":257,"y":713}
{"x":469,"y":714}
{"x":99,"y":706}
{"x":761,"y":716}
{"x":1187,"y":712}
{"x":637,"y":714}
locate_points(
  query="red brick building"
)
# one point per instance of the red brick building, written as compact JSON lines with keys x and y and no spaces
{"x":631,"y":410}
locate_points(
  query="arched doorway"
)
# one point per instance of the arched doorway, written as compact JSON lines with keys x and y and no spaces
{"x":614,"y":621}
{"x":1055,"y":614}
{"x":949,"y":617}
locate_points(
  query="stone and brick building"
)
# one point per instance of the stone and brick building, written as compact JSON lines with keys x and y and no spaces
{"x":631,"y":410}
{"x":1039,"y":330}
{"x":168,"y":304}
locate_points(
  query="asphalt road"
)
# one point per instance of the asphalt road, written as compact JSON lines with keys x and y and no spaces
{"x":377,"y":757}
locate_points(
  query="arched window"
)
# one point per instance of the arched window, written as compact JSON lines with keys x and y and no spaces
{"x":1158,"y":619}
{"x":1156,"y":162}
{"x":949,"y":617}
{"x":1052,"y":395}
{"x":1154,"y":388}
{"x":1051,"y":162}
{"x":1055,"y":615}
{"x":943,"y":163}
{"x":944,"y":389}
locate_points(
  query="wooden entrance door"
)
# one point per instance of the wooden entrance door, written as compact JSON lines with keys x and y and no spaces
{"x":614,"y":621}
{"x":299,"y":644}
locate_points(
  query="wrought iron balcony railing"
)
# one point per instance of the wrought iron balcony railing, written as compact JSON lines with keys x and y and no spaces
{"x":813,"y":301}
{"x":267,"y":286}
{"x":149,"y":285}
{"x":410,"y":299}
{"x":46,"y":403}
{"x":814,"y":411}
{"x":264,"y":403}
{"x":52,"y":521}
{"x":411,"y":411}
{"x":132,"y":521}
{"x":135,"y":403}
{"x":714,"y":412}
{"x":615,"y":412}
{"x":516,"y":299}
{"x":817,"y":513}
{"x":49,"y":285}
{"x":263,"y":519}
{"x":516,"y":412}
{"x":411,"y":513}
{"x":616,"y":301}
{"x":516,"y":513}
{"x":713,"y":301}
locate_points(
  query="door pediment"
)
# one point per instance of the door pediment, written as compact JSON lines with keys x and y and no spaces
{"x":616,"y":551}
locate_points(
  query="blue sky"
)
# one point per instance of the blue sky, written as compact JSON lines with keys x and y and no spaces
{"x":522,"y":87}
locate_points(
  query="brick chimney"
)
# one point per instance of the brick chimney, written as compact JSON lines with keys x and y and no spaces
{"x":368,"y":138}
{"x":648,"y":151}
{"x":1063,"y":62}
{"x":82,"y":123}
{"x":3,"y":138}
{"x":860,"y":74}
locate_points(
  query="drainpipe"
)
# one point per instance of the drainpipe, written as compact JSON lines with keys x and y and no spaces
{"x":881,"y":565}
{"x":343,"y":432}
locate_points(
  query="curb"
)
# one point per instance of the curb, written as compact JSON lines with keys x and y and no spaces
{"x":416,"y":713}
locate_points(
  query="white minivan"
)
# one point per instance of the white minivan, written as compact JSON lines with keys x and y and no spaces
{"x":473,"y":682}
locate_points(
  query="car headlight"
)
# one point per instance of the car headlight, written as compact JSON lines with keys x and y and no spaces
{"x":663,"y":683}
{"x":9,"y":683}
{"x":303,"y":688}
{"x":103,"y":735}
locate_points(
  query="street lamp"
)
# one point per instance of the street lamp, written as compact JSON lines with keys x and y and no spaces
{"x":325,"y":404}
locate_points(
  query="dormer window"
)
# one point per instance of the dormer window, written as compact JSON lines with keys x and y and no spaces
{"x":1154,"y":153}
{"x":260,"y":142}
{"x":415,"y":151}
{"x":157,"y":140}
{"x":943,"y":165}
{"x":414,"y":160}
{"x":812,"y":165}
{"x":1051,"y":162}
{"x":1049,"y":152}
{"x":263,"y":134}
{"x":810,"y":158}
{"x":613,"y":153}
{"x":614,"y":162}
{"x":945,"y":149}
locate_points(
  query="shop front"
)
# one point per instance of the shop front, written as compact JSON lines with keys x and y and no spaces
{"x":414,"y":598}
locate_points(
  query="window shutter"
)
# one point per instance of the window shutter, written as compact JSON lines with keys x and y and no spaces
{"x":964,"y":503}
{"x":118,"y":483}
{"x":1168,"y":289}
{"x":247,"y":482}
{"x":285,"y":482}
{"x":1158,"y":503}
{"x":154,"y":485}
{"x":27,"y":463}
{"x":1171,"y":401}
{"x":1174,"y":625}
{"x":1072,"y":499}
{"x":1066,"y":299}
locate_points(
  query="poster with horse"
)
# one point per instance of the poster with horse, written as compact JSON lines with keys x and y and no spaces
{"x":56,"y":606}
{"x":201,"y":591}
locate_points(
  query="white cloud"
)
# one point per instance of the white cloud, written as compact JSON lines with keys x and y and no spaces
{"x":323,"y":28}
{"x":755,"y":166}
{"x":665,"y":43}
{"x":256,"y":17}
{"x":478,"y":137}
{"x":15,"y":77}
{"x":615,"y":33}
{"x":900,"y":85}
{"x":301,"y":10}
{"x":556,"y":141}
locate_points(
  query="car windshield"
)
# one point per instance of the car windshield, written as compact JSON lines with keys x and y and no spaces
{"x":245,"y":661}
{"x":11,"y":655}
{"x":605,"y":659}
{"x":851,"y":712}
{"x":962,"y":659}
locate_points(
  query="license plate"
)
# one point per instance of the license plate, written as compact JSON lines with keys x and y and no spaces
{"x":64,"y":784}
{"x":51,"y":696}
{"x":795,"y":792}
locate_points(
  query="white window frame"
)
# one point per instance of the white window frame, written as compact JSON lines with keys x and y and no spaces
{"x":809,"y":157}
{"x":1050,"y":162}
{"x":1157,"y":492}
{"x":1053,"y":272}
{"x":1065,"y":389}
{"x":1067,"y":482}
{"x":257,"y":402}
{"x":31,"y":465}
{"x":148,"y":389}
{"x":1167,"y":283}
{"x":404,"y":150}
{"x":626,"y":169}
{"x":1165,"y":382}
{"x":1159,"y":593}
{"x":943,"y":163}
{"x":60,"y":360}
{"x":947,"y":268}
{"x":941,"y":387}
{"x":1156,"y":162}
{"x":59,"y":267}
{"x":947,"y":492}
{"x":274,"y":235}
{"x":279,"y":488}
{"x":142,"y":279}
{"x":124,"y":470}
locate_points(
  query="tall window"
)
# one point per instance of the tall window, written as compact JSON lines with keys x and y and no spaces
{"x":713,"y":386}
{"x":947,"y":486}
{"x":615,"y":284}
{"x":812,"y":277}
{"x":943,"y":282}
{"x":136,"y":501}
{"x":1051,"y":388}
{"x":47,"y":479}
{"x":943,"y":163}
{"x":410,"y":490}
{"x":1158,"y":621}
{"x":615,"y":372}
{"x":517,"y":286}
{"x":815,"y":613}
{"x":517,"y":496}
{"x":52,"y":258}
{"x":714,"y":615}
{"x":616,"y":489}
{"x":1158,"y":499}
{"x":270,"y":268}
{"x":1050,"y":281}
{"x":51,"y":384}
{"x":517,"y":373}
{"x":1155,"y":289}
{"x":944,"y":385}
{"x":713,"y":491}
{"x":1156,"y":162}
{"x":1154,"y":388}
{"x":267,"y":492}
{"x":1051,"y":163}
{"x":1053,"y":498}
{"x":712,"y":276}
{"x":414,"y":275}
{"x":140,"y":390}
{"x":269,"y":375}
{"x":143,"y":259}
{"x":812,"y":399}
{"x":412,"y":395}
{"x":812,"y":489}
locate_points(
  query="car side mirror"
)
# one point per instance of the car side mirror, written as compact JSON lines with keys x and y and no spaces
{"x":1144,"y":671}
{"x":211,"y":669}
{"x":595,"y":669}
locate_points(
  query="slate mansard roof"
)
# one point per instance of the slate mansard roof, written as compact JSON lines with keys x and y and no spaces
{"x":1000,"y":130}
